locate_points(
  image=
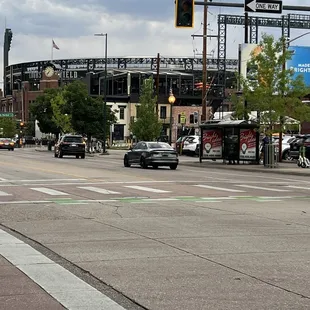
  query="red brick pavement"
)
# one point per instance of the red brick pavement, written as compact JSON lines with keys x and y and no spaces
{"x":19,"y":292}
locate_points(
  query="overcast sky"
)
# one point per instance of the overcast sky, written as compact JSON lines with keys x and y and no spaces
{"x":134,"y":27}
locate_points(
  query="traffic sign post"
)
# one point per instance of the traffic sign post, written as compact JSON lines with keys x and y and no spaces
{"x":6,"y":114}
{"x":183,"y":118}
{"x":263,"y":6}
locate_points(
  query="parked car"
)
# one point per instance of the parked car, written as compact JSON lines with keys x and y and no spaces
{"x":286,"y":140}
{"x":191,"y":145}
{"x":153,"y":154}
{"x":7,"y":144}
{"x":300,"y":140}
{"x":70,"y":145}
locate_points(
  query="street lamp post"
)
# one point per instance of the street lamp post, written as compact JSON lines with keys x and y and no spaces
{"x":21,"y":91}
{"x":171,"y":100}
{"x":105,"y":90}
{"x":285,"y":46}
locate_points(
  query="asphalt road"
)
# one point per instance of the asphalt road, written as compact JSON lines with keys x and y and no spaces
{"x":162,"y":239}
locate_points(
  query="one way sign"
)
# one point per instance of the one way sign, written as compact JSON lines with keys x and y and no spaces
{"x":263,"y":6}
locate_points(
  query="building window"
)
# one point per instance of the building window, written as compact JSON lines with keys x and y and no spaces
{"x":163,"y":112}
{"x":138,"y":111}
{"x":121,"y":113}
{"x":191,"y":119}
{"x":179,"y":118}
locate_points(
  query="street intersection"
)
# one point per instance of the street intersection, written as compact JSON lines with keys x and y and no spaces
{"x":157,"y":239}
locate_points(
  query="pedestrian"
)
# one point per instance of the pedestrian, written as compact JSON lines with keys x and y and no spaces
{"x":265,"y":141}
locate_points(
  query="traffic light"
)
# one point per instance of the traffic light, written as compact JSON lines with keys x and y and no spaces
{"x":184,"y":13}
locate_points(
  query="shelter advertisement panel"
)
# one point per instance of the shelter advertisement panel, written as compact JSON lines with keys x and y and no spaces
{"x":212,"y":143}
{"x":300,"y":62}
{"x":247,"y":144}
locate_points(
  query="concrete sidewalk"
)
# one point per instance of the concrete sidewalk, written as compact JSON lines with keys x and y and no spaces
{"x":17,"y":291}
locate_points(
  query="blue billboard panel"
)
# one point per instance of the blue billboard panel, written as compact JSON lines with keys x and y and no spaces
{"x":300,"y":62}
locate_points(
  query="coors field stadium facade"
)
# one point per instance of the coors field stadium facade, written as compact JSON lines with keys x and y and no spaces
{"x":24,"y":82}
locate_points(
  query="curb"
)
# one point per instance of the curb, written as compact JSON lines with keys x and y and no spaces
{"x":38,"y":150}
{"x":263,"y":170}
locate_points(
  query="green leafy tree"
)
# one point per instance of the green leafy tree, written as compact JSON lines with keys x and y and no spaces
{"x":86,"y":112}
{"x":147,"y":127}
{"x":8,"y":127}
{"x":41,"y":110}
{"x":60,"y":117}
{"x":269,"y":89}
{"x":30,"y":128}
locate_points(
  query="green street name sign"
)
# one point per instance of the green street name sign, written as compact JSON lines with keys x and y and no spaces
{"x":6,"y":114}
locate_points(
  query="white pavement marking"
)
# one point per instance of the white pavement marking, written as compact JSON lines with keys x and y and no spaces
{"x":24,"y":202}
{"x":98,"y":190}
{"x":298,"y":187}
{"x":220,"y":188}
{"x":264,"y":188}
{"x":49,"y":191}
{"x":4,"y":194}
{"x":148,"y":189}
{"x":42,"y":180}
{"x":72,"y":292}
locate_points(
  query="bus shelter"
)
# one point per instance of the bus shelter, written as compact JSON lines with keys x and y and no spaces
{"x":230,"y":140}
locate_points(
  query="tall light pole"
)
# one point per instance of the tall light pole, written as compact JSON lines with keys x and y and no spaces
{"x":105,"y":89}
{"x":285,"y":46}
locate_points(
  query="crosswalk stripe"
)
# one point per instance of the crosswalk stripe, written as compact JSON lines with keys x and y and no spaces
{"x":4,"y":194}
{"x":98,"y":190}
{"x":264,"y":188}
{"x":220,"y":188}
{"x":298,"y":187}
{"x":49,"y":191}
{"x":148,"y":189}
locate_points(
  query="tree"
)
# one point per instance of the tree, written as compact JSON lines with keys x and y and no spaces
{"x":147,"y":127}
{"x":271,"y":90}
{"x":30,"y":128}
{"x":42,"y":111}
{"x":7,"y":127}
{"x":86,"y":111}
{"x":60,"y":117}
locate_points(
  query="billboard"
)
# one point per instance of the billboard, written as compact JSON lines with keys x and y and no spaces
{"x":300,"y":62}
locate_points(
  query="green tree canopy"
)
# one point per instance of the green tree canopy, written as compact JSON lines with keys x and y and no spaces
{"x":147,"y":127}
{"x":269,"y":88}
{"x":8,"y":127}
{"x":86,"y":112}
{"x":60,"y":117}
{"x":42,"y":111}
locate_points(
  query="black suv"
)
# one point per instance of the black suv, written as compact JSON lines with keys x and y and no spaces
{"x":70,"y":145}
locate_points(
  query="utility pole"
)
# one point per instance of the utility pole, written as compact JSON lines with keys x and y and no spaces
{"x":157,"y":82}
{"x":246,"y":41}
{"x":204,"y":63}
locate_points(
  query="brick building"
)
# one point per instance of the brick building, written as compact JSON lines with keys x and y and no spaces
{"x":26,"y":93}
